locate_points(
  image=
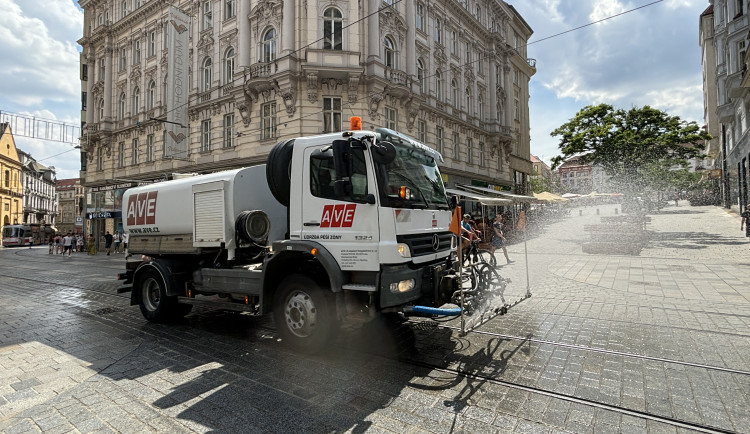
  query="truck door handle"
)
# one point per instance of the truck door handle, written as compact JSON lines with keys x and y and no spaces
{"x":311,"y":224}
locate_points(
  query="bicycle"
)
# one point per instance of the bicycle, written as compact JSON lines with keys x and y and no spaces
{"x":481,"y":284}
{"x":474,"y":254}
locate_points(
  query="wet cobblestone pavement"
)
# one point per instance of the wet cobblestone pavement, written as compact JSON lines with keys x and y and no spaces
{"x":658,"y":342}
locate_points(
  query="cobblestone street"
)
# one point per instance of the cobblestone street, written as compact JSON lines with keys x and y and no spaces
{"x":658,"y":342}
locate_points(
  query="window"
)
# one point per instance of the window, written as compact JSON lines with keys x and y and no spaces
{"x":420,"y":17}
{"x":150,"y":147}
{"x":134,"y":152}
{"x":331,"y":114}
{"x":230,"y":9}
{"x":481,"y":154}
{"x":438,"y":31}
{"x":207,"y":15}
{"x":323,"y":174}
{"x":269,"y":46}
{"x":455,"y":146}
{"x":332,"y":20}
{"x":228,"y":130}
{"x":454,"y":43}
{"x":229,"y":66}
{"x":420,"y":74}
{"x":268,"y":120}
{"x":515,"y":77}
{"x":389,"y":51}
{"x":123,"y":59}
{"x":390,"y":118}
{"x":100,"y":159}
{"x":83,"y":101}
{"x":151,"y":97}
{"x":480,"y":107}
{"x":422,"y":131}
{"x":741,"y":55}
{"x":206,"y":75}
{"x":7,"y":179}
{"x":468,"y":107}
{"x":121,"y":107}
{"x":102,"y":69}
{"x":121,"y":154}
{"x":438,"y":85}
{"x":84,"y":72}
{"x":151,"y":43}
{"x":470,"y":151}
{"x":136,"y":52}
{"x":136,"y":99}
{"x":124,"y":9}
{"x":516,"y":105}
{"x":101,"y":109}
{"x":454,"y":93}
{"x":439,"y":139}
{"x":205,"y":135}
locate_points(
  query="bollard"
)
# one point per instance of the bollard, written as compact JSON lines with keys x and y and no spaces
{"x":597,"y":211}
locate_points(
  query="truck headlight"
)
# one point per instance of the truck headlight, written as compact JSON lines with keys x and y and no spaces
{"x":402,"y":286}
{"x":454,"y":243}
{"x":403,"y":250}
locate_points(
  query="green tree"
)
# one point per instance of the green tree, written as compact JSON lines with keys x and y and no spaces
{"x":630,"y":144}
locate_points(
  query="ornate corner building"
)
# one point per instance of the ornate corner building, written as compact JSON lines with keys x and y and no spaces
{"x":453,"y":74}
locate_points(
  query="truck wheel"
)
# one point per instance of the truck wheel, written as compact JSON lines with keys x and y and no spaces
{"x":304,"y":315}
{"x":155,"y":305}
{"x":278,"y":170}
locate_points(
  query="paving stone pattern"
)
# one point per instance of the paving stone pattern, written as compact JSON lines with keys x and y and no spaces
{"x":75,"y":357}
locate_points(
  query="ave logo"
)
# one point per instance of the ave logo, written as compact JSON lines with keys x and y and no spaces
{"x":338,"y":216}
{"x":142,"y":209}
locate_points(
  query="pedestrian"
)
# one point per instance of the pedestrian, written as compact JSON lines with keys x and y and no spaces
{"x":92,"y":245}
{"x":498,"y":240}
{"x":79,"y":243}
{"x":125,"y":237}
{"x":58,"y":246}
{"x":68,"y":244}
{"x":108,"y":242}
{"x":117,"y":240}
{"x":745,"y":224}
{"x":51,"y":243}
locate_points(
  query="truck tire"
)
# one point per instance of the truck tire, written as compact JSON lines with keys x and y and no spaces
{"x":278,"y":170}
{"x":155,"y":304}
{"x":305,"y":316}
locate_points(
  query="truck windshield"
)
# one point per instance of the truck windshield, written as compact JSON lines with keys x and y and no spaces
{"x":411,"y":180}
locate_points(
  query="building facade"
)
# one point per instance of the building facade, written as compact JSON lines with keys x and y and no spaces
{"x":452,"y":74}
{"x":70,"y":201}
{"x":724,"y":27}
{"x":39,"y":195}
{"x":11,"y":192}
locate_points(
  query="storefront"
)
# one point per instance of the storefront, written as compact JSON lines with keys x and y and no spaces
{"x":104,"y":210}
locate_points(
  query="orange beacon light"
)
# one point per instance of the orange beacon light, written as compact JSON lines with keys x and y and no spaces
{"x":355,"y":123}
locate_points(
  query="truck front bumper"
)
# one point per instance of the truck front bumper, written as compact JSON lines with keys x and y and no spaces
{"x":402,"y":284}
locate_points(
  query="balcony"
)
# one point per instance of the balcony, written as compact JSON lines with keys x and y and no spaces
{"x":261,"y":70}
{"x":400,"y":84}
{"x":734,"y":85}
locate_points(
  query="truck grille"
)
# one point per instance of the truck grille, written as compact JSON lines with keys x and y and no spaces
{"x":422,"y":244}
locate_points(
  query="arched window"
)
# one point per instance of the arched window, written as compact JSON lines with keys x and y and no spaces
{"x":389,"y":52}
{"x":420,"y":74}
{"x":269,"y":46}
{"x":438,"y":85}
{"x":121,"y":107}
{"x":332,"y":20}
{"x":151,"y":98}
{"x":454,"y":93}
{"x":136,"y":99}
{"x":101,"y":110}
{"x":229,"y":66}
{"x":206,"y":75}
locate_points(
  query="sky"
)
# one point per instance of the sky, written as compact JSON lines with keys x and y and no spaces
{"x":647,"y":57}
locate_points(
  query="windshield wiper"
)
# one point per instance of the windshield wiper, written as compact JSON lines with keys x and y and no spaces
{"x":413,"y":184}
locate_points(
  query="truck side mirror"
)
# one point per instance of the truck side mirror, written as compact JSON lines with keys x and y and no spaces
{"x":342,"y":159}
{"x":383,"y":152}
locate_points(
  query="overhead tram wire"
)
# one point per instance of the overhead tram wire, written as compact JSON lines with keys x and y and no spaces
{"x":432,"y":75}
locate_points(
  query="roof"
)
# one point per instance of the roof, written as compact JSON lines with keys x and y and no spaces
{"x":709,"y":10}
{"x":65,"y":184}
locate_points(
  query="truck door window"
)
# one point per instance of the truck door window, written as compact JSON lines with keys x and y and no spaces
{"x":323,"y":176}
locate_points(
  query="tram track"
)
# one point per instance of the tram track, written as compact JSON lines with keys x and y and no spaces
{"x":677,"y":423}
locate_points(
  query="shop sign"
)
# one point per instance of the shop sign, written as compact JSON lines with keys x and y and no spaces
{"x":105,"y":214}
{"x":112,"y":187}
